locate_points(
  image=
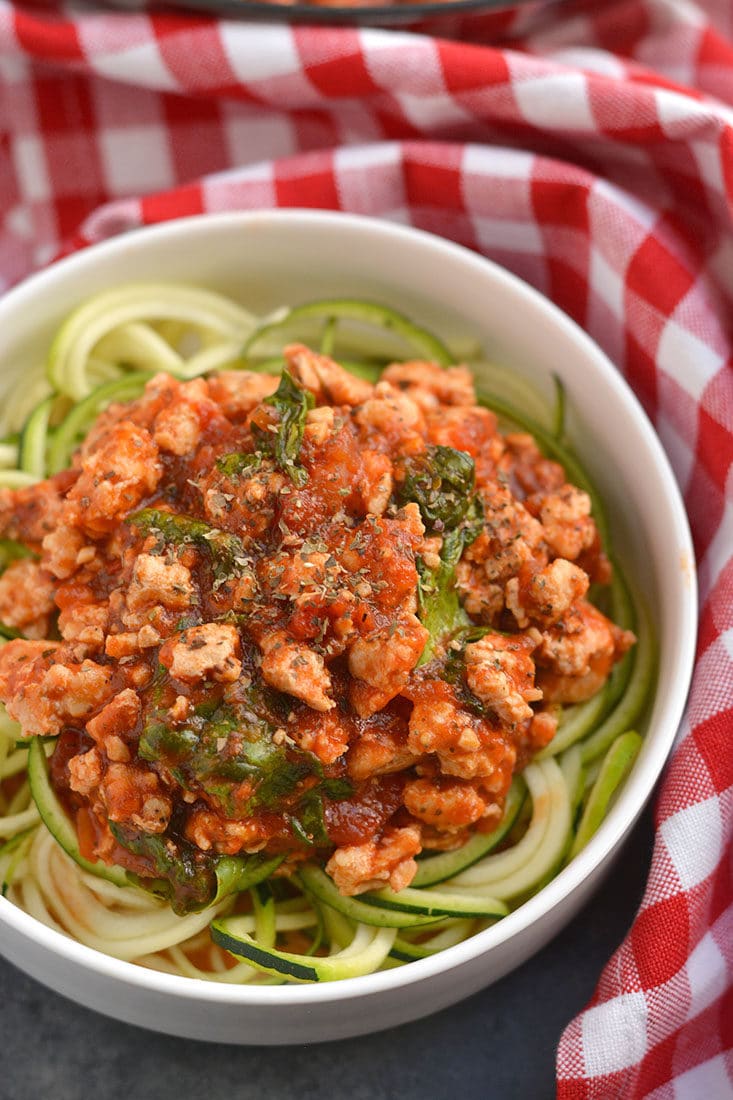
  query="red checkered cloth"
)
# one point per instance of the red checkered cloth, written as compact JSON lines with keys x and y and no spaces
{"x":591,"y":152}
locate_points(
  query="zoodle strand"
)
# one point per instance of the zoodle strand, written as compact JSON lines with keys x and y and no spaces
{"x":179,"y":891}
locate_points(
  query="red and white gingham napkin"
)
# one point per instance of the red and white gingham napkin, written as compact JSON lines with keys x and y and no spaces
{"x":592,"y":154}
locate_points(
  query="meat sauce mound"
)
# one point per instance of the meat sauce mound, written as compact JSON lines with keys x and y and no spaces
{"x":305,"y":618}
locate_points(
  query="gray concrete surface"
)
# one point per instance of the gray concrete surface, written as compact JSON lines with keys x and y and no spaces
{"x":499,"y":1044}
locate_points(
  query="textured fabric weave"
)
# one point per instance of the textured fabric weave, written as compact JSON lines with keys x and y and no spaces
{"x":587,"y":149}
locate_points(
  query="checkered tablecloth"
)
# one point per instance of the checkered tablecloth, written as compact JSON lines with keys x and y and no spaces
{"x":589,"y":150}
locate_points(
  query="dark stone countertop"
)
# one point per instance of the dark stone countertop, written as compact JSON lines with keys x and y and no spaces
{"x":499,"y":1043}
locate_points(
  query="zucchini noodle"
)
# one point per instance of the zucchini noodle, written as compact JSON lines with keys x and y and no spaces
{"x":299,"y":929}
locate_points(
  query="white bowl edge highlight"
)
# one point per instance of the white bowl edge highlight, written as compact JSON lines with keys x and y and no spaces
{"x":453,"y":291}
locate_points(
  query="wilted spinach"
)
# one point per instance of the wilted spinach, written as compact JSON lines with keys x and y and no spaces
{"x":187,"y":878}
{"x":441,"y":482}
{"x":183,"y":874}
{"x":226,"y":550}
{"x":221,"y":746}
{"x":291,"y":402}
{"x":439,"y":608}
{"x":239,"y":462}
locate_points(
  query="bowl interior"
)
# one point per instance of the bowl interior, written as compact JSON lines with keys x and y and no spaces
{"x":286,"y":257}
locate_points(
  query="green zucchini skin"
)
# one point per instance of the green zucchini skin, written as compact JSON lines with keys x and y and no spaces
{"x":10,"y":851}
{"x":66,"y":437}
{"x":600,"y":728}
{"x":317,"y":883}
{"x":409,"y":952}
{"x":436,"y":869}
{"x":264,"y":958}
{"x":367,"y":951}
{"x":555,"y":449}
{"x":616,"y":766}
{"x":434,"y":903}
{"x":11,"y":551}
{"x":427,"y":345}
{"x":55,"y":819}
{"x":233,"y":874}
{"x":408,"y":908}
{"x":637,"y":691}
{"x":34,"y":438}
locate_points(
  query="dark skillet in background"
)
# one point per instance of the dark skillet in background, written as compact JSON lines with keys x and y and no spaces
{"x":367,"y":13}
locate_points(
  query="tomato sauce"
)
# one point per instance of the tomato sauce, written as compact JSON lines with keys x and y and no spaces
{"x":312,"y":617}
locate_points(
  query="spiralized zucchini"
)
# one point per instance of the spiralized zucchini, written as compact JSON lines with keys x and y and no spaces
{"x":301,"y":929}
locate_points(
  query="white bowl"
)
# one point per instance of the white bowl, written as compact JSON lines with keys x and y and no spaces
{"x":275,"y":257}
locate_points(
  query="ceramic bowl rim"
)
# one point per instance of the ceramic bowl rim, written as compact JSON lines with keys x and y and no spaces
{"x":638,"y":786}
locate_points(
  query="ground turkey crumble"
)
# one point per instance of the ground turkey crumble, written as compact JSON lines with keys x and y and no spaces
{"x":229,"y":636}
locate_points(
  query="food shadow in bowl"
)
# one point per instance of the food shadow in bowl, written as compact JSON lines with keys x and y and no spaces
{"x":259,"y":259}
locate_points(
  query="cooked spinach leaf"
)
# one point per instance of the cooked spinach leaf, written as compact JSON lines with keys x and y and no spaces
{"x":222,"y":745}
{"x":441,"y":482}
{"x":187,"y":878}
{"x":308,"y":822}
{"x":226,"y":550}
{"x":183,"y":875}
{"x":239,"y":462}
{"x":291,"y":402}
{"x":439,"y":608}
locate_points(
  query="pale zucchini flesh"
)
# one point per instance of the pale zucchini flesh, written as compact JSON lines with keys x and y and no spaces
{"x":90,"y":362}
{"x":57,"y":822}
{"x":365,"y":954}
{"x":435,"y":869}
{"x":317,"y":883}
{"x":435,"y":903}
